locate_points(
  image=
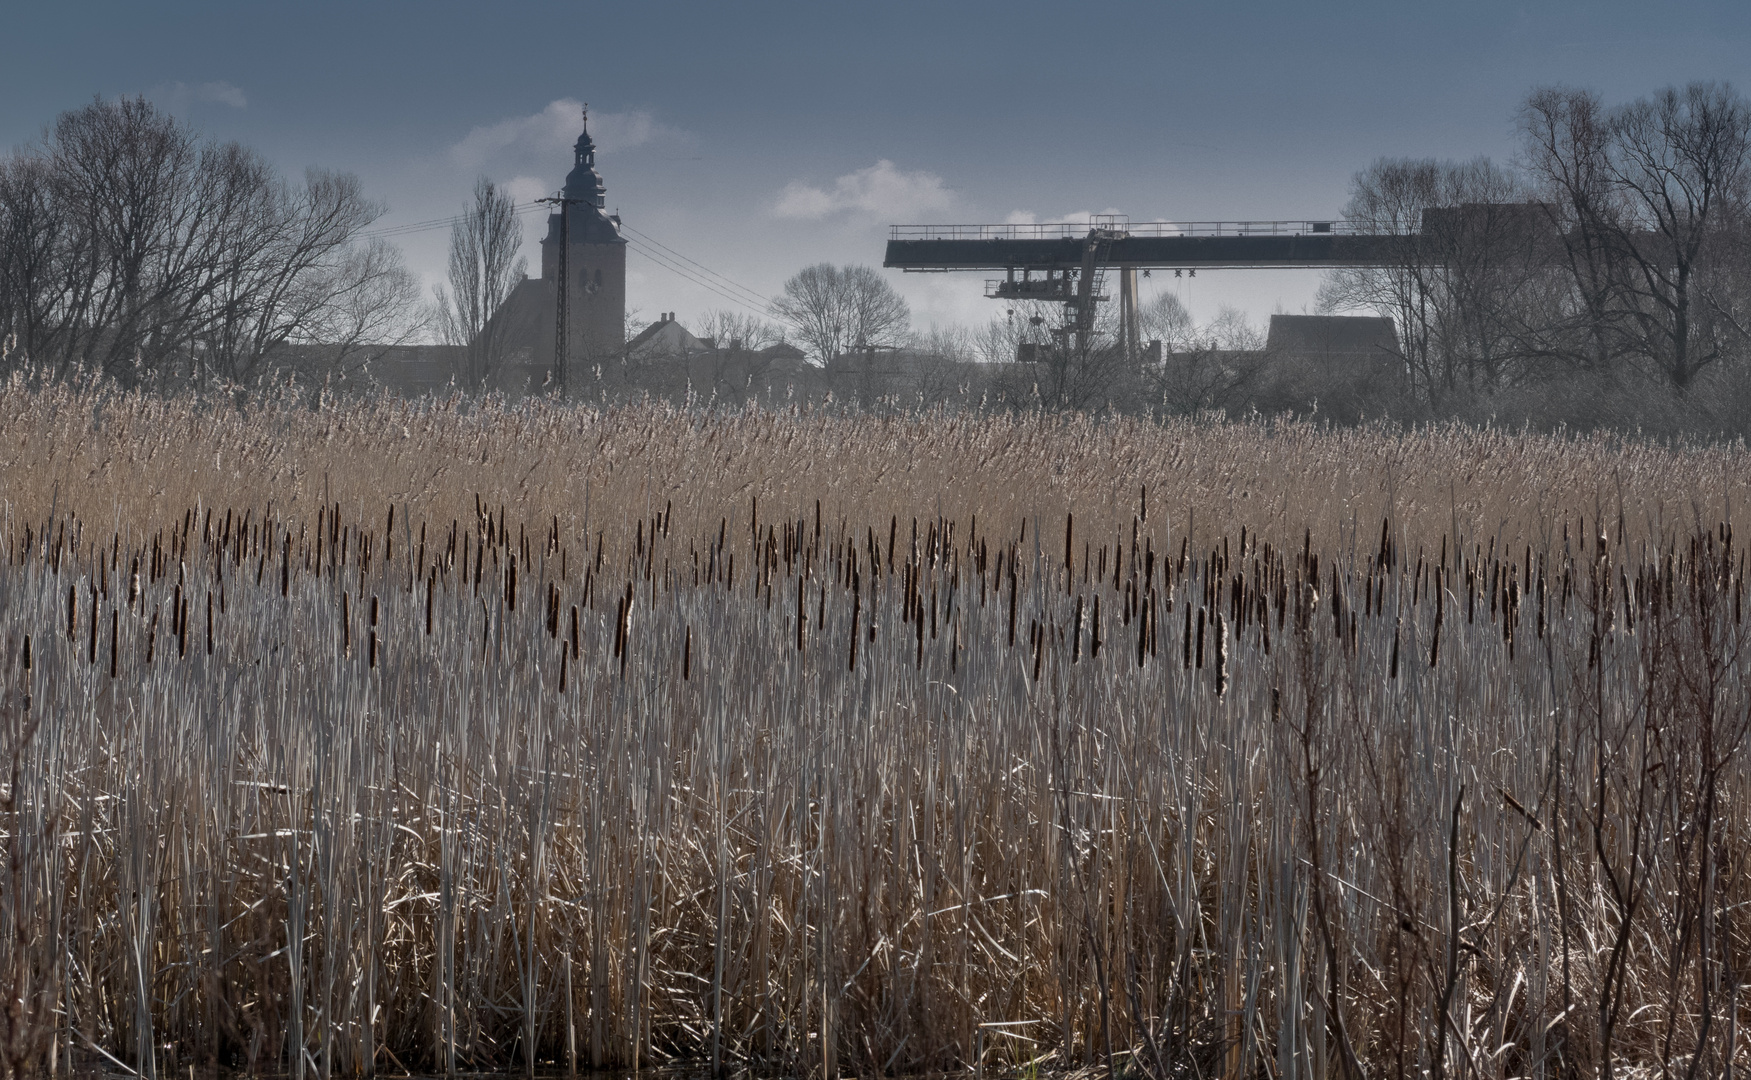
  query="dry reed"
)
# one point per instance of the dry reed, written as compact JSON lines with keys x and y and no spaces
{"x":387,"y":736}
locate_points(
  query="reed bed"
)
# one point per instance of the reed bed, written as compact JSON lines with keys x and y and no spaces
{"x":442,"y":737}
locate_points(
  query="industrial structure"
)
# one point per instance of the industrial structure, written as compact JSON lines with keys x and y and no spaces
{"x":1066,"y":263}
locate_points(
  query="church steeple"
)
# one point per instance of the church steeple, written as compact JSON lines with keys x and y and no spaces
{"x":583,"y":182}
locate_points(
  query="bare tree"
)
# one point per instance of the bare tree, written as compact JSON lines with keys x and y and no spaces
{"x":1682,"y":161}
{"x":1650,"y":201}
{"x":940,"y":365}
{"x":130,"y":247}
{"x":1040,"y":366}
{"x":1202,"y":368}
{"x":1164,"y":319}
{"x":832,"y":309}
{"x":1466,"y":255}
{"x":1564,"y":135}
{"x":306,"y":280}
{"x":484,"y":267}
{"x":31,"y":255}
{"x":735,"y":363}
{"x":737,"y":332}
{"x":1075,"y":371}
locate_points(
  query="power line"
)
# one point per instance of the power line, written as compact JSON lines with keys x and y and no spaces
{"x":684,"y":274}
{"x":763,"y":299}
{"x":437,"y":223}
{"x":690,"y":278}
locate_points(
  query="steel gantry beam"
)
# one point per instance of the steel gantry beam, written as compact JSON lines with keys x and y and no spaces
{"x":1147,"y":245}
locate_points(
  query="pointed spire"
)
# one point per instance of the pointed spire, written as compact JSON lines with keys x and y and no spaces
{"x":584,"y":182}
{"x":584,"y":149}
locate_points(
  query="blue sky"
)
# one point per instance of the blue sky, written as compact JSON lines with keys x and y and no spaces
{"x":757,"y":138}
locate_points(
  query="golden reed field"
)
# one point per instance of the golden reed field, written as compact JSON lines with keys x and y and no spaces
{"x":438,"y":736}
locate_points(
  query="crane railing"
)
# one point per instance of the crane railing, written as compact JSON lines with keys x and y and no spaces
{"x":1077,"y":230}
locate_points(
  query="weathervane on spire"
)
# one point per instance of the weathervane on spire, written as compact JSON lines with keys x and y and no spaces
{"x":586,"y":114}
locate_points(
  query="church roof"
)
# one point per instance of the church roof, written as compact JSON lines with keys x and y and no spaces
{"x":583,"y":182}
{"x":589,"y":222}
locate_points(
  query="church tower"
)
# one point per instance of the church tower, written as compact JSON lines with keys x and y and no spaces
{"x":585,"y":246}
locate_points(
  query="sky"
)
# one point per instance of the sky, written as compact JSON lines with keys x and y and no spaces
{"x":754,"y":139}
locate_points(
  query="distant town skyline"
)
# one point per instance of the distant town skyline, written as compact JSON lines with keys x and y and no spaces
{"x":758,"y":139}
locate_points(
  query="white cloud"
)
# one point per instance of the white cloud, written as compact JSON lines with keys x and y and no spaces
{"x":880,"y":191}
{"x":524,"y":189}
{"x":540,"y":137}
{"x":178,"y":96}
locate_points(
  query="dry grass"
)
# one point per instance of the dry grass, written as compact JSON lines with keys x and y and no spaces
{"x":880,"y":745}
{"x":139,"y":463}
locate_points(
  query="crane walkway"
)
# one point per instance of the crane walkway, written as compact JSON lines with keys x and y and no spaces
{"x":1061,"y":246}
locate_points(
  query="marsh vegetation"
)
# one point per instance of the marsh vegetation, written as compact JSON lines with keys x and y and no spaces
{"x":438,"y":736}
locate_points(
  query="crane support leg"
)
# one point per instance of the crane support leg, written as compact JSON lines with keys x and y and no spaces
{"x":1128,"y":334}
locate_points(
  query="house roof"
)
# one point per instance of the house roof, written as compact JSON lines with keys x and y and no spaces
{"x":1332,"y":334}
{"x":667,"y":337}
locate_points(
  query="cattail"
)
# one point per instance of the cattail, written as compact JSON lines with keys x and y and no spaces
{"x":91,"y":643}
{"x":1012,"y":598}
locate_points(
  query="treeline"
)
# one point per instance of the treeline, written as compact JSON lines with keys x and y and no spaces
{"x":1615,"y":247}
{"x":1600,"y":279}
{"x":132,"y":247}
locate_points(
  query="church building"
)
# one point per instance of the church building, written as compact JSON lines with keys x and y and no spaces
{"x":583,"y":249}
